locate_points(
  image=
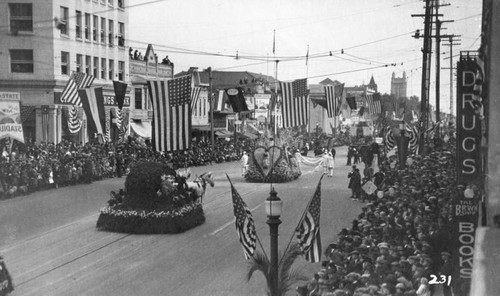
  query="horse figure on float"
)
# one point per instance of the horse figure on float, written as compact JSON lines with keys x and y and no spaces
{"x":198,"y":186}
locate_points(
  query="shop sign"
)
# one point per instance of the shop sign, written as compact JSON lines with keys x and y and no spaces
{"x":469,"y":170}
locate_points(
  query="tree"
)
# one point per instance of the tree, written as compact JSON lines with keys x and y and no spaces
{"x":287,"y":276}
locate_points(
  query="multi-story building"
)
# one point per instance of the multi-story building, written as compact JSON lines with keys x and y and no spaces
{"x":143,"y":69}
{"x":398,"y":86}
{"x":44,"y":42}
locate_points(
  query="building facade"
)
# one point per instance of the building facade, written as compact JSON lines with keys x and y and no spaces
{"x":398,"y":86}
{"x":44,"y":42}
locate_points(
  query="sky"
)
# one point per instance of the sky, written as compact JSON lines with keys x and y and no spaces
{"x":235,"y":35}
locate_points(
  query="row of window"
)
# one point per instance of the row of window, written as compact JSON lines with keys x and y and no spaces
{"x":92,"y":27}
{"x":21,"y":61}
{"x":121,"y":3}
{"x":100,"y":68}
{"x":87,"y":26}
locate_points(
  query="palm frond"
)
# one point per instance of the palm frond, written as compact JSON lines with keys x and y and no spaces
{"x":259,"y":262}
{"x":288,"y":276}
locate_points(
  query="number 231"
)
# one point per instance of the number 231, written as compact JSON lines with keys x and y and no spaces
{"x":435,"y":280}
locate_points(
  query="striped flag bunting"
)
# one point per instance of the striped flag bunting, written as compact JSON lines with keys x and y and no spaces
{"x":171,"y":113}
{"x":119,"y":118}
{"x":373,"y":102}
{"x":93,"y":104}
{"x":220,"y":101}
{"x":389,"y":139}
{"x":74,"y":123}
{"x":245,"y":226}
{"x":195,"y":95}
{"x":295,"y":103}
{"x":124,"y":125}
{"x":414,"y":137}
{"x":308,"y":231}
{"x":70,"y":92}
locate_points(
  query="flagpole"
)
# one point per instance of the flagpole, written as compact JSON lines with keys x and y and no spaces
{"x":308,"y":97}
{"x":301,"y":220}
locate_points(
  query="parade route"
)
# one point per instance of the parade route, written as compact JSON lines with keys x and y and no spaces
{"x":53,"y":247}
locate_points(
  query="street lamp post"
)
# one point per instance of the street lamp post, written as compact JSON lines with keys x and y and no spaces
{"x":273,"y":207}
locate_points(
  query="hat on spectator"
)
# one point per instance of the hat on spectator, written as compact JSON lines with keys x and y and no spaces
{"x":445,"y":254}
{"x":383,"y":245}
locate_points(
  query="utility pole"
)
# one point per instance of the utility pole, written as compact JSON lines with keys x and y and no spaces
{"x":438,"y":37}
{"x":426,"y":60}
{"x":211,"y":101}
{"x":451,"y":41}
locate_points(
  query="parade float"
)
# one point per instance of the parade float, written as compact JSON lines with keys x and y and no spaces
{"x":156,"y":199}
{"x":273,"y":161}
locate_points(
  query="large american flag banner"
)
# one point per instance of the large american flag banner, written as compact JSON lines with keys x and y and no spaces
{"x":295,"y":107}
{"x":333,"y":94}
{"x":171,"y":113}
{"x":414,"y":136}
{"x":74,"y":123}
{"x":70,"y":91}
{"x":307,"y":231}
{"x":373,"y":102}
{"x":245,"y":225}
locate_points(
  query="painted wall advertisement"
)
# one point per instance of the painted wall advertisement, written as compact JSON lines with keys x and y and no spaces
{"x":469,"y":172}
{"x":10,"y":116}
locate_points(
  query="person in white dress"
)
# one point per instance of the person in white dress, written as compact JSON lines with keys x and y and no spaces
{"x":244,"y":163}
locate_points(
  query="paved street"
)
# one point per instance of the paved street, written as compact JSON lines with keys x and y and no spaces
{"x":52,"y":247}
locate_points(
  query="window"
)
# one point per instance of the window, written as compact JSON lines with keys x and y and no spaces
{"x":111,"y":69}
{"x":79,"y":61}
{"x":121,"y":34}
{"x":111,"y":36}
{"x":21,"y":17}
{"x":96,"y":68}
{"x":78,"y":24}
{"x":95,"y":25}
{"x":121,"y":3}
{"x":21,"y":60}
{"x":88,"y":61}
{"x":87,"y":26}
{"x":121,"y":71}
{"x":65,"y":63}
{"x":103,"y":30}
{"x":138,"y":98}
{"x":63,"y":21}
{"x":103,"y":68}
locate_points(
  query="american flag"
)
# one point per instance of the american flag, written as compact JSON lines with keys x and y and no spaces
{"x":70,"y":91}
{"x":373,"y":102}
{"x":307,"y":231}
{"x":93,"y":104}
{"x":295,"y":107}
{"x":195,"y":95}
{"x":245,"y":225}
{"x":171,"y":113}
{"x":333,"y":94}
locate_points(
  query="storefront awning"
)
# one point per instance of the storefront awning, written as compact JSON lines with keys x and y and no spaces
{"x":141,"y":129}
{"x":248,"y":135}
{"x":223,"y":134}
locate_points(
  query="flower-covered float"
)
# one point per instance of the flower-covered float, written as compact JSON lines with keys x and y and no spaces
{"x":272,"y":162}
{"x":156,"y":199}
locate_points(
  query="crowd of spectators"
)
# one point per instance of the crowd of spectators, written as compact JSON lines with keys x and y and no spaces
{"x":25,"y":168}
{"x":400,"y":238}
